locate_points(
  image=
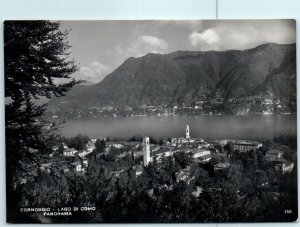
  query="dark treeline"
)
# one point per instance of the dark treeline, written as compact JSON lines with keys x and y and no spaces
{"x":287,"y":139}
{"x":137,"y":138}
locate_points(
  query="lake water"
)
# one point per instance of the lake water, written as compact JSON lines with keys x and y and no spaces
{"x":209,"y":127}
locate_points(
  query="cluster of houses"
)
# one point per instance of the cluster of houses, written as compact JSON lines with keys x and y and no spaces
{"x":74,"y":161}
{"x":80,"y":162}
{"x":199,"y":150}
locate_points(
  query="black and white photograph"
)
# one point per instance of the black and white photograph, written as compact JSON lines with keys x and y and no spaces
{"x":150,"y":121}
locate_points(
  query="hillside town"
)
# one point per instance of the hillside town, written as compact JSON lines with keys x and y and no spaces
{"x":64,"y":160}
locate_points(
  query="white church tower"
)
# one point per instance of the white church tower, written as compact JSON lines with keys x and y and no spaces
{"x":187,"y":132}
{"x":146,"y":150}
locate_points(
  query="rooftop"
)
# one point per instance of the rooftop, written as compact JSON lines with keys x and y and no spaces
{"x":205,"y":156}
{"x":195,"y":151}
{"x":161,"y":151}
{"x":246,"y":142}
{"x":70,"y":150}
{"x":76,"y":163}
{"x":274,"y":151}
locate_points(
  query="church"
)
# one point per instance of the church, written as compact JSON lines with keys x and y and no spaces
{"x":163,"y":152}
{"x":148,"y":155}
{"x":186,"y":139}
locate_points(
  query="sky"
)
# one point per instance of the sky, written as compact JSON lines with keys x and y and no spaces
{"x":101,"y":46}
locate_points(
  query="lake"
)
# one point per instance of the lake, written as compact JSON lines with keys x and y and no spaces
{"x":208,"y":126}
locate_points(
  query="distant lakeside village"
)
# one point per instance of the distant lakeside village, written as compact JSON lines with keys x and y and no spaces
{"x":216,"y":105}
{"x":144,"y":151}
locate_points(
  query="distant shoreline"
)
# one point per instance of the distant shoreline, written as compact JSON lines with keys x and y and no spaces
{"x":164,"y":116}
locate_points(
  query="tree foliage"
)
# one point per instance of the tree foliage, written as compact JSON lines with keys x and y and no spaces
{"x":100,"y":145}
{"x":182,"y":159}
{"x":77,"y":142}
{"x":36,"y":54}
{"x":36,"y":58}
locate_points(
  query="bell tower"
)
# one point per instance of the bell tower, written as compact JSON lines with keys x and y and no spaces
{"x":146,"y":150}
{"x":187,"y":132}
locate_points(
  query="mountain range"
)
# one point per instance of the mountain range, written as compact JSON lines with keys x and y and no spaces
{"x":182,"y":77}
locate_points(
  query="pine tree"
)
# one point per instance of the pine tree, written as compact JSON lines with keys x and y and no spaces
{"x":36,"y":57}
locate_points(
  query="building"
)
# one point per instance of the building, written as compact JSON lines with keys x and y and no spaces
{"x":138,"y":170}
{"x":90,"y":146}
{"x":77,"y":166}
{"x":82,"y":153}
{"x":137,"y":154}
{"x":115,"y":145}
{"x":197,"y":192}
{"x":99,"y":138}
{"x":64,"y":146}
{"x":146,"y":150}
{"x":135,"y":171}
{"x":69,"y":152}
{"x":274,"y":155}
{"x":221,"y":166}
{"x":186,"y":139}
{"x":245,"y":145}
{"x":203,"y":145}
{"x":159,"y":154}
{"x":154,"y":148}
{"x":223,"y":142}
{"x":284,"y":166}
{"x":197,"y":153}
{"x":205,"y":158}
{"x":85,"y":161}
{"x":184,"y":175}
{"x":46,"y":167}
{"x":179,"y":140}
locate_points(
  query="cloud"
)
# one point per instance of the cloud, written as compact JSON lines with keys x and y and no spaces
{"x":207,"y":37}
{"x":152,"y":41}
{"x":143,"y":45}
{"x":240,"y":34}
{"x":100,"y":68}
{"x":95,"y":72}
